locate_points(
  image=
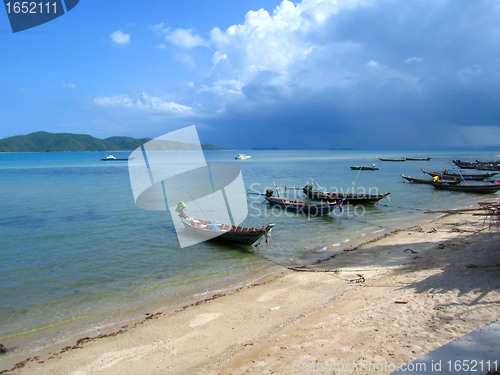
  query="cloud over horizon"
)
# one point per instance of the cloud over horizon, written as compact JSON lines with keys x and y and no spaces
{"x":359,"y":72}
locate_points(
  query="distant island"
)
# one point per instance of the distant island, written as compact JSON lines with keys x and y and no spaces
{"x":58,"y":142}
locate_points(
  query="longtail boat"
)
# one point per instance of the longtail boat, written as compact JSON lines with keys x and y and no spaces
{"x":479,"y":189}
{"x":308,"y":208}
{"x":481,"y":165}
{"x":416,"y":180}
{"x":364,"y":168}
{"x":393,"y":159}
{"x":348,"y":198}
{"x":224,"y":232}
{"x":419,"y":159}
{"x":473,"y":177}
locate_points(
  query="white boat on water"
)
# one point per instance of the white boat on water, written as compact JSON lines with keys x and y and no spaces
{"x":114,"y":158}
{"x":243,"y":157}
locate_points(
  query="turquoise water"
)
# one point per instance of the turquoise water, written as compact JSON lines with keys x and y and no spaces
{"x":73,"y":243}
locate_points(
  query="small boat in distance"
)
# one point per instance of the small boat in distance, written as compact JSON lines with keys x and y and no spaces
{"x":364,"y":168}
{"x":242,"y":157}
{"x":114,"y":158}
{"x":419,"y":159}
{"x":394,"y":159}
{"x":223,"y":232}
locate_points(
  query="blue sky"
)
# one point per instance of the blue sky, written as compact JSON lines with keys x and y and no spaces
{"x":306,"y":74}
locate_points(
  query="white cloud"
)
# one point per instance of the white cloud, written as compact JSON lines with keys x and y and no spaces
{"x":69,"y":85}
{"x":120,"y":38}
{"x":373,"y":64}
{"x":143,"y":102}
{"x":414,"y":59}
{"x":185,"y":38}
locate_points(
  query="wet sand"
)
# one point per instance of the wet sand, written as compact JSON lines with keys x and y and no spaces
{"x":381,"y":305}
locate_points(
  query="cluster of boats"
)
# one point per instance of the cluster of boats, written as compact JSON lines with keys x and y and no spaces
{"x":321,"y":203}
{"x":456,"y":180}
{"x":481,"y":165}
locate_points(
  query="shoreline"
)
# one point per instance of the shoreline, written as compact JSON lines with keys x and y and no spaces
{"x":64,"y":333}
{"x":345,"y":282}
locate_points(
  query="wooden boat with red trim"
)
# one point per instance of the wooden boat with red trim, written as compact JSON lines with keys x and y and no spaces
{"x":224,"y":232}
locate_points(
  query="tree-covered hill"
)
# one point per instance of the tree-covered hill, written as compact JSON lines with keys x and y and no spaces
{"x":52,"y":142}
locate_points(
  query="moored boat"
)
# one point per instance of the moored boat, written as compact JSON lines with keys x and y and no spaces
{"x":307,"y":208}
{"x":348,"y":198}
{"x":224,"y":232}
{"x":242,"y":157}
{"x":478,"y":189}
{"x":416,"y":180}
{"x":427,"y":158}
{"x":472,"y":177}
{"x":114,"y":158}
{"x":364,"y":168}
{"x":393,"y":159}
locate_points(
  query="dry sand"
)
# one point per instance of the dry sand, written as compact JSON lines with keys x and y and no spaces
{"x":387,"y":303}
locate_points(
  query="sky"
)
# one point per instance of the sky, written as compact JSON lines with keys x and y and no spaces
{"x":308,"y":74}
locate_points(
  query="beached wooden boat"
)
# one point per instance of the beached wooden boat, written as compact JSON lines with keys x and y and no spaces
{"x":364,"y":168}
{"x":347,"y":198}
{"x":478,"y":189}
{"x":416,"y":180}
{"x":393,"y":159}
{"x":225,"y":232}
{"x":472,"y":177}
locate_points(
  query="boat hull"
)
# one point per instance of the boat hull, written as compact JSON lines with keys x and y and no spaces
{"x":429,"y":181}
{"x":307,"y":208}
{"x":478,"y":189}
{"x":225,"y":232}
{"x":398,"y":159}
{"x":348,"y":198}
{"x":471,"y":177}
{"x":357,"y":168}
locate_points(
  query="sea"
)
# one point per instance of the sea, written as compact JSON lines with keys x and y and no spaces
{"x":77,"y":255}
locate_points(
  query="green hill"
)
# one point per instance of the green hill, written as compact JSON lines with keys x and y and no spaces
{"x":53,"y":142}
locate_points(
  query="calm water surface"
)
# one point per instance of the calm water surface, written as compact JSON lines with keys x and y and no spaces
{"x":74,"y":245}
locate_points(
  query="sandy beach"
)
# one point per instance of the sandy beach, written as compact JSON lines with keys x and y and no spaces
{"x":383,"y":304}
